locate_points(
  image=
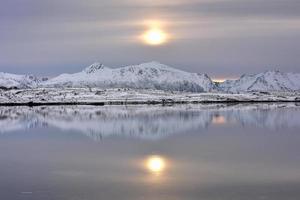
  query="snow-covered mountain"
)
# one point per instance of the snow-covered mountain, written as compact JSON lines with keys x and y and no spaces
{"x":13,"y":81}
{"x":269,"y":81}
{"x":152,"y":75}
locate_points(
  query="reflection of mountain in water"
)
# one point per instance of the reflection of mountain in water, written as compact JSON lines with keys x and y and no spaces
{"x":147,"y":122}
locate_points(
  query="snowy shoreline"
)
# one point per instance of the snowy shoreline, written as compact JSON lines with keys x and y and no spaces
{"x":97,"y":96}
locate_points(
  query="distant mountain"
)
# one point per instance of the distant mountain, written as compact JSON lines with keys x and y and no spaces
{"x":152,"y":75}
{"x":269,"y":81}
{"x":13,"y":81}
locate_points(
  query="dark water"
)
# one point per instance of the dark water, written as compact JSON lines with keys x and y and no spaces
{"x":209,"y":152}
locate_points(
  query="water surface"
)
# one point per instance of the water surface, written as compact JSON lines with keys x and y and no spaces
{"x":210,"y":152}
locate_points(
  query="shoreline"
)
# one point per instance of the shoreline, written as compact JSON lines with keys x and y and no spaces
{"x":35,"y":104}
{"x":122,"y":96}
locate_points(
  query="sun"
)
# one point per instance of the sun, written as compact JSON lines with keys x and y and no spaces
{"x":155,"y":164}
{"x":155,"y":37}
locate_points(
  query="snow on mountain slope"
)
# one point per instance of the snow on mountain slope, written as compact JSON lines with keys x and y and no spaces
{"x":152,"y":75}
{"x":11,"y":81}
{"x":269,"y":81}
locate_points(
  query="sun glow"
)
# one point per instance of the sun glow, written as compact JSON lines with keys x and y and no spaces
{"x":155,"y":164}
{"x":155,"y":33}
{"x":219,"y":80}
{"x":155,"y":36}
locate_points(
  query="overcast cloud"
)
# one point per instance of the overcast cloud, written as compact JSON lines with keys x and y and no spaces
{"x":223,"y":38}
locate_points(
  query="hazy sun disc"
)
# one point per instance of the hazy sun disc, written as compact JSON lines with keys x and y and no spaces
{"x":155,"y":37}
{"x":156,"y":164}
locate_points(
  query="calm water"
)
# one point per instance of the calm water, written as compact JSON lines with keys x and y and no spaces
{"x":209,"y":152}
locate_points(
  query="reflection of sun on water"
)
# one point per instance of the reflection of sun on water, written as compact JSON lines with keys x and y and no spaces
{"x":155,"y":164}
{"x":219,"y":120}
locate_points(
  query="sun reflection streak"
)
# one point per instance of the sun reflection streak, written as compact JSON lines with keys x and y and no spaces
{"x":219,"y":120}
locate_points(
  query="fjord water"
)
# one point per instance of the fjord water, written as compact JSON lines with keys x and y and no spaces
{"x":211,"y":152}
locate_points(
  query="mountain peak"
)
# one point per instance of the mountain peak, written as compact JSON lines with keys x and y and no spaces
{"x":152,"y":64}
{"x":272,"y":72}
{"x":94,"y":67}
{"x":158,"y":66}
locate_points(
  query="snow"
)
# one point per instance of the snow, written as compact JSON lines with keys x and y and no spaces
{"x":152,"y":75}
{"x":132,"y":96}
{"x":10,"y":81}
{"x":151,"y":82}
{"x":265,"y":82}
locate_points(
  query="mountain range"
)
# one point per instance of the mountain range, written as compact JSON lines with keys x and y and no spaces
{"x":154,"y":75}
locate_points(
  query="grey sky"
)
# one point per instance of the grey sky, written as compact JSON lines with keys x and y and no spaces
{"x":223,"y":38}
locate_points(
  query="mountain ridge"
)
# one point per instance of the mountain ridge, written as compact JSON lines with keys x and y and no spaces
{"x":154,"y":75}
{"x":151,"y":75}
{"x":15,"y":81}
{"x":270,"y":80}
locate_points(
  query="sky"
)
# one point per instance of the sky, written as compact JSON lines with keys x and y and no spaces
{"x":222,"y":38}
